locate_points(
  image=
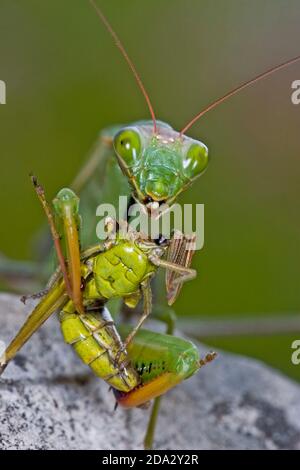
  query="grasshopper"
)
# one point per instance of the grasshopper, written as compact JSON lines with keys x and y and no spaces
{"x":120,"y":267}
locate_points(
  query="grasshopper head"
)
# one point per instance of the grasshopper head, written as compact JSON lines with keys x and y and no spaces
{"x":161,"y":165}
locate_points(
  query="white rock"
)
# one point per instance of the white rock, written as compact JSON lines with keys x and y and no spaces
{"x":50,"y":400}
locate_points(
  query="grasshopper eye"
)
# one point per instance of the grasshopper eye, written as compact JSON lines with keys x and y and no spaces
{"x":127,"y":145}
{"x":196,"y":160}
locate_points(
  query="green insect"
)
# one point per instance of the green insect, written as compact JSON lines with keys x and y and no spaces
{"x":121,"y":267}
{"x":148,"y":161}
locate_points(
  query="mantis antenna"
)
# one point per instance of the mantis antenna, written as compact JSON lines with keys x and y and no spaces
{"x":236,"y":90}
{"x":127,"y":58}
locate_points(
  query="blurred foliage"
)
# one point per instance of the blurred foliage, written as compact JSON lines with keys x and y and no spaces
{"x":66,"y":80}
{"x":275,"y":350}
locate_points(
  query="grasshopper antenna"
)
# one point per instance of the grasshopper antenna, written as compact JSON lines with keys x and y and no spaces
{"x":236,"y":90}
{"x":127,"y":58}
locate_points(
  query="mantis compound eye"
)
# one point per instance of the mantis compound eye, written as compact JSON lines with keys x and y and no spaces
{"x":127,"y":144}
{"x":196,"y":160}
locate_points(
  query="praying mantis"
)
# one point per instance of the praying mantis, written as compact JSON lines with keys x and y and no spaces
{"x":158,"y":162}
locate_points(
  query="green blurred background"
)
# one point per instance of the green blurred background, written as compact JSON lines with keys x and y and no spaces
{"x":66,"y":80}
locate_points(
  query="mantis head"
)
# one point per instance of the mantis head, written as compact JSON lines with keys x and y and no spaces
{"x":159,"y":165}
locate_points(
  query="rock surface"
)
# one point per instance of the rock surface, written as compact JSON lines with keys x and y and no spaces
{"x":50,"y":400}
